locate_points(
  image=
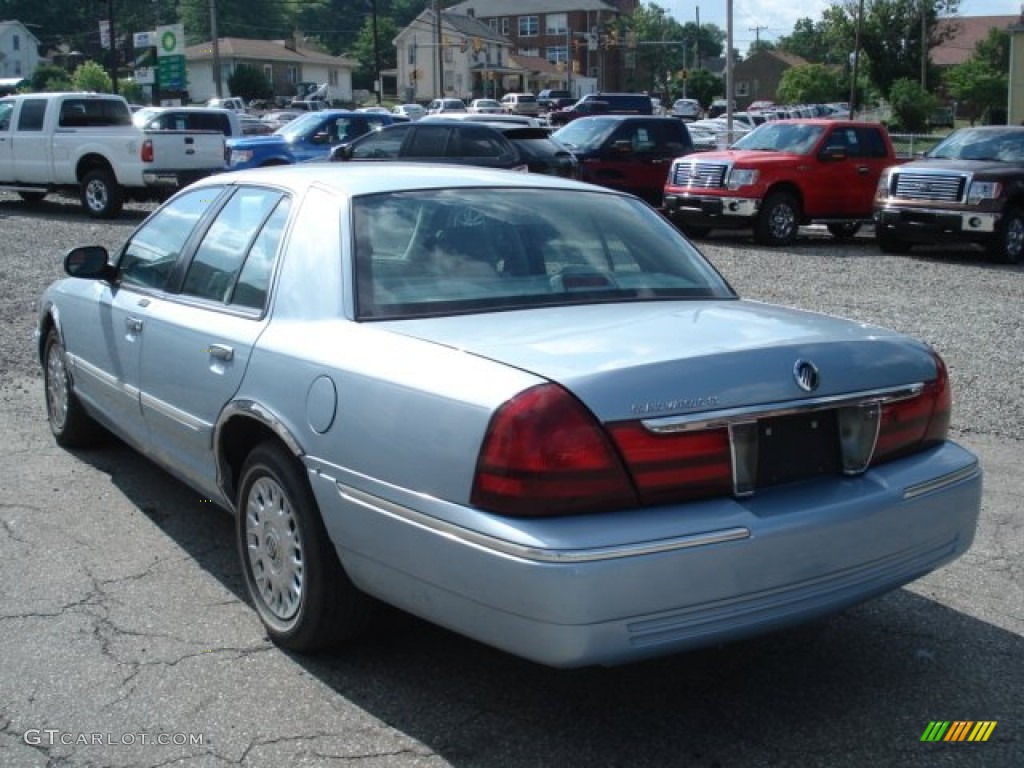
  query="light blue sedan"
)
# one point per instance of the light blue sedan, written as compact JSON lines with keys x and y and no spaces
{"x":522,"y":407}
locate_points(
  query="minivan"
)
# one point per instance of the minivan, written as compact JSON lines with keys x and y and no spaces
{"x":520,"y":104}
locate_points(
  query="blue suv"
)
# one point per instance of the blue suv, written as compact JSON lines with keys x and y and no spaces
{"x":308,"y":137}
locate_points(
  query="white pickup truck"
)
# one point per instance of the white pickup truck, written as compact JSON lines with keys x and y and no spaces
{"x":86,"y":142}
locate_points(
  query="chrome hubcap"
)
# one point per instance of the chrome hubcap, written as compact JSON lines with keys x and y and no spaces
{"x":96,"y":195}
{"x":782,"y":221}
{"x":274,"y":545}
{"x":56,"y":387}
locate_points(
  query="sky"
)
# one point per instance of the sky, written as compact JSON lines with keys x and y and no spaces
{"x":771,"y":19}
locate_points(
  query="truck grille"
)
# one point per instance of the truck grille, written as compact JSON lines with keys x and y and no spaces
{"x":944,"y":188}
{"x":693,"y":173}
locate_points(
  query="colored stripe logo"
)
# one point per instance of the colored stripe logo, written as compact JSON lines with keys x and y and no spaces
{"x":959,"y":730}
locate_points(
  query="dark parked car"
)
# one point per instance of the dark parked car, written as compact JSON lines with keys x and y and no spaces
{"x":628,"y":152}
{"x":547,"y":97}
{"x":494,"y":145}
{"x":602,"y":103}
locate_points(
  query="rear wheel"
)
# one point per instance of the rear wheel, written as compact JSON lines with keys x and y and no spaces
{"x":844,"y":230}
{"x":1007,"y":247}
{"x":889,"y":242}
{"x":102,"y":197}
{"x":292,"y":571}
{"x":778,"y":221}
{"x":71,"y":426}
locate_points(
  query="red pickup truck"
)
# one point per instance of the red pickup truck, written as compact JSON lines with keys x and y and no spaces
{"x":781,"y":175}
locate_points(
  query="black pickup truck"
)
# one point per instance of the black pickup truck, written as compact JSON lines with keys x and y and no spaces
{"x":968,"y":189}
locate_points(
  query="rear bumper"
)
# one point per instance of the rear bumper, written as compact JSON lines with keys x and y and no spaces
{"x":932,"y":225}
{"x":178,"y":178}
{"x":692,"y":576}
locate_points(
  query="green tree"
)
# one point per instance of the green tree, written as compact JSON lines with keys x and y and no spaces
{"x":994,"y":50}
{"x":912,"y":106}
{"x":976,"y":87}
{"x":702,"y":86}
{"x":661,"y":48}
{"x":813,"y":84}
{"x":371,"y":61}
{"x":250,"y":83}
{"x":50,"y":77}
{"x":91,"y":76}
{"x":131,"y":90}
{"x":807,"y":40}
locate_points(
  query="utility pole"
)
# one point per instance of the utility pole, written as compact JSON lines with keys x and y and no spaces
{"x":113,"y":43}
{"x":214,"y":42}
{"x":924,"y":45}
{"x":757,"y":35}
{"x":378,"y":86}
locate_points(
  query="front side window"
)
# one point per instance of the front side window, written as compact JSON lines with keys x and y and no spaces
{"x":529,"y":26}
{"x":381,"y":145}
{"x":445,"y":251}
{"x":219,"y":257}
{"x":149,"y":257}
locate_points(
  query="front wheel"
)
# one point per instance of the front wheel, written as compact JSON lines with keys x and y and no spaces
{"x":71,"y":426}
{"x":1007,"y":246}
{"x":300,"y":590}
{"x":102,"y":197}
{"x":844,"y":230}
{"x":778,"y":222}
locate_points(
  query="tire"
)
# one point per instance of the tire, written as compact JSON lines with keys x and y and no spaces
{"x":71,"y":426}
{"x":301,"y":592}
{"x":32,"y":197}
{"x":778,"y":222}
{"x":1007,"y":247}
{"x":844,"y":230}
{"x":890,"y":243}
{"x":101,"y":195}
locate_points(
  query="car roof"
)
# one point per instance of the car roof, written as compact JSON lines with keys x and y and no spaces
{"x":353,"y":179}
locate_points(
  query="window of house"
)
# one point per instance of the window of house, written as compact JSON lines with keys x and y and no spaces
{"x":493,"y":24}
{"x":529,"y":51}
{"x":557,"y":53}
{"x":293,"y":74}
{"x":16,"y":42}
{"x":412,"y":54}
{"x":268,"y":72}
{"x":529,"y":26}
{"x":742,"y":88}
{"x":556,"y":24}
{"x":506,"y":25}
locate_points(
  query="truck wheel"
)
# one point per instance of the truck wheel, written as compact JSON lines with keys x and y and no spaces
{"x":779,"y":220}
{"x":844,"y":230}
{"x":1007,"y":247}
{"x":102,"y":197}
{"x":890,"y":243}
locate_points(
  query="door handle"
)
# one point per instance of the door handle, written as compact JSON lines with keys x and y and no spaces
{"x":133,"y":324}
{"x":222,"y":352}
{"x":863,"y":170}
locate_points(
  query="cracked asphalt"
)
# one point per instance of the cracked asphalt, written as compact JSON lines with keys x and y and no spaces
{"x":126,"y":638}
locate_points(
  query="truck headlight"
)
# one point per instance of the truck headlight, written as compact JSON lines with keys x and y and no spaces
{"x":239,"y":156}
{"x":741,"y":177}
{"x":983,"y":190}
{"x":883,"y":184}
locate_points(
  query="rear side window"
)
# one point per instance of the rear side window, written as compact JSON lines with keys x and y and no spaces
{"x":428,"y":141}
{"x":220,"y":255}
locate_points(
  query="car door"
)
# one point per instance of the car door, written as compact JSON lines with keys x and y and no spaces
{"x":838,"y":183}
{"x":103,"y":325}
{"x":198,"y":339}
{"x":31,"y":145}
{"x":635,"y":159}
{"x":869,"y":157}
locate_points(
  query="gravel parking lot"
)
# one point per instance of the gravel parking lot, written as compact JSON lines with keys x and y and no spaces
{"x":122,"y":613}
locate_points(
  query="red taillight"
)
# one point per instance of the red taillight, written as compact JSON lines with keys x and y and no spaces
{"x":147,"y":151}
{"x":545,"y":454}
{"x":678,"y":466}
{"x":910,"y":425}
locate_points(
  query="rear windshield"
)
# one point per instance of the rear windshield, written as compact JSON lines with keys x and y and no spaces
{"x":93,"y":113}
{"x":444,"y":251}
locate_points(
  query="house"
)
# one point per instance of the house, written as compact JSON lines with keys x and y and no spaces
{"x":757,"y":77}
{"x":965,"y":32}
{"x":459,"y":58}
{"x":286,"y":64}
{"x":19,"y":51}
{"x":574,"y":33}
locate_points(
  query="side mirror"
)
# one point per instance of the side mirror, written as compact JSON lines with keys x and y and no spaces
{"x":321,"y":137}
{"x":89,"y":262}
